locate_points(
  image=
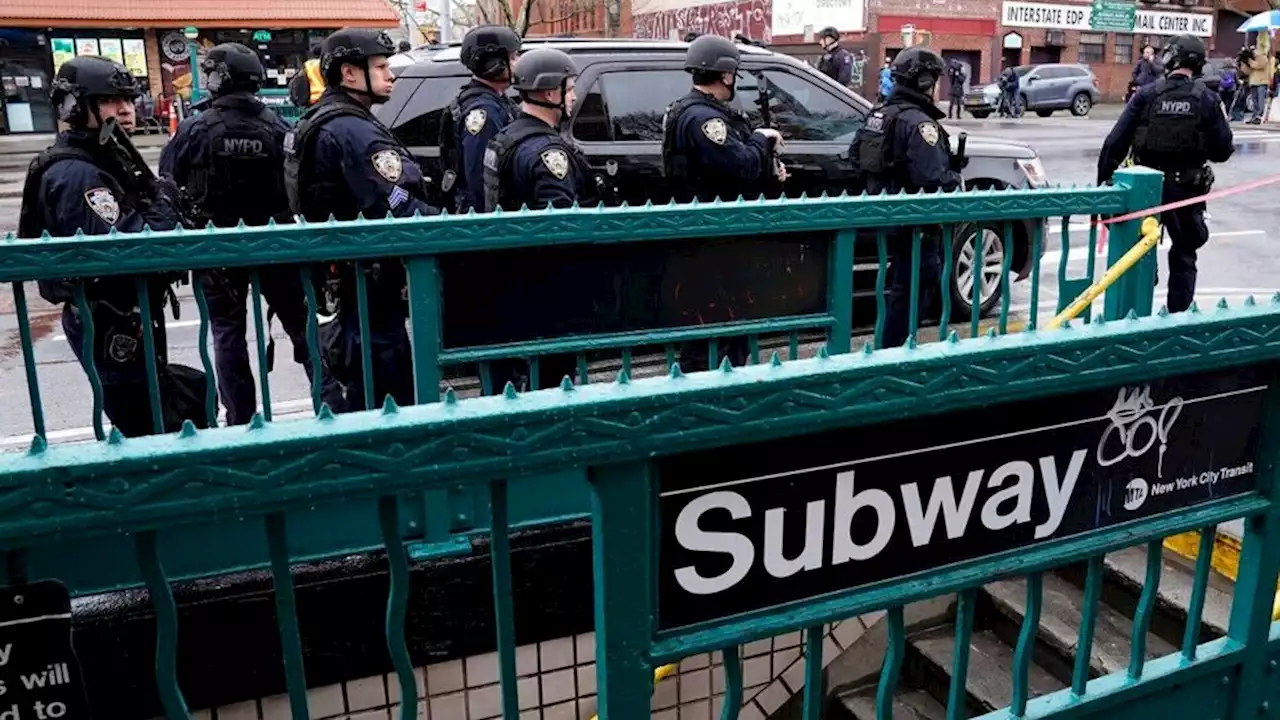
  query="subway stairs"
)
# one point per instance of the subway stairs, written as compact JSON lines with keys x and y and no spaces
{"x":999,"y":609}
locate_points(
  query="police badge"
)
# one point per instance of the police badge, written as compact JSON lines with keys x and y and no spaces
{"x":557,"y":162}
{"x":929,"y":132}
{"x":475,"y":121}
{"x":388,"y":165}
{"x":121,"y":348}
{"x":103,"y":204}
{"x":715,"y":130}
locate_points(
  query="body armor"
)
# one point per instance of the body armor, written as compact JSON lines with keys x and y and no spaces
{"x":1170,"y":137}
{"x":241,"y":180}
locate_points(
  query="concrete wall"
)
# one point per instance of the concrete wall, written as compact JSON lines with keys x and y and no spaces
{"x":557,"y":681}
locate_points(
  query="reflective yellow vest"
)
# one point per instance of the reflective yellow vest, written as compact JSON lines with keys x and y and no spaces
{"x":314,"y":80}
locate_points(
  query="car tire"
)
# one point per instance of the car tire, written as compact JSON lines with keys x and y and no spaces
{"x":980,"y":114}
{"x":962,"y":256}
{"x":1081,"y":104}
{"x":1044,"y":113}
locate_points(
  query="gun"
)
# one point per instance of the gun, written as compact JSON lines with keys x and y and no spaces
{"x":766,"y":115}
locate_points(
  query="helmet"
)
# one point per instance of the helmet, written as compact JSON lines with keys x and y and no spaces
{"x":543,"y":69}
{"x":89,"y":78}
{"x":713,"y":53}
{"x":232,"y":67}
{"x":830,"y":32}
{"x":487,"y":49}
{"x":691,"y":36}
{"x":1183,"y":51}
{"x":352,"y":45}
{"x":918,"y":68}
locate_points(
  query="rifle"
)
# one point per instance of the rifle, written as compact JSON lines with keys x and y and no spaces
{"x":959,"y":161}
{"x":766,"y":115}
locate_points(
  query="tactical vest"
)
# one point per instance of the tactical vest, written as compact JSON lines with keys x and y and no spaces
{"x":323,"y":197}
{"x":450,"y":122}
{"x":497,"y":157}
{"x":241,"y":180}
{"x":1170,"y":137}
{"x":31,"y":216}
{"x":873,"y":149}
{"x":684,"y":173}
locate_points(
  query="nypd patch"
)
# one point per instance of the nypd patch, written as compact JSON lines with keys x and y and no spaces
{"x":929,"y":131}
{"x":475,"y":121}
{"x":388,"y":164}
{"x":557,"y":162}
{"x":715,"y":130}
{"x":103,"y":204}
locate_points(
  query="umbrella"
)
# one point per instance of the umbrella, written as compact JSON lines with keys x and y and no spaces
{"x":1268,"y":20}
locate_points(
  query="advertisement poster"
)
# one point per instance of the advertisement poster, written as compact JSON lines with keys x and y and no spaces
{"x":135,"y":57}
{"x":63,"y":50}
{"x":111,"y":49}
{"x":175,"y":63}
{"x":86,"y":46}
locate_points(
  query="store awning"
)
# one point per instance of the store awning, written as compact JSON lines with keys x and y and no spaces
{"x":1246,"y":8}
{"x":251,"y":14}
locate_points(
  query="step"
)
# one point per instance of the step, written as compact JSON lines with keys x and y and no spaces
{"x":1061,"y":609}
{"x":908,"y":704}
{"x":1126,"y":574}
{"x":989,"y":683}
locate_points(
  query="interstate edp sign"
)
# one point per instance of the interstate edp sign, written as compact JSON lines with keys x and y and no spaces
{"x":755,"y":526}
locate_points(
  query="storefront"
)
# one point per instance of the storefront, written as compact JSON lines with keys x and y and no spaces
{"x":282,"y":52}
{"x":1107,"y":35}
{"x":26,"y":71}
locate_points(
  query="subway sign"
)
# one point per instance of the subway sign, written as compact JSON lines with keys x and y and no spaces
{"x":1055,"y":16}
{"x":758,"y":526}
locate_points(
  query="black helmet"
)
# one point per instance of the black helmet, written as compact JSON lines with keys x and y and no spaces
{"x":543,"y":69}
{"x":486,"y":50}
{"x":232,"y":67}
{"x":691,"y":36}
{"x":918,"y":68}
{"x":712,"y":53}
{"x":88,"y":78}
{"x":1183,"y":51}
{"x":355,"y":46}
{"x":830,"y":32}
{"x":404,"y":46}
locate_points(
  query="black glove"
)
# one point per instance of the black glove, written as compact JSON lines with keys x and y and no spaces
{"x":959,"y":163}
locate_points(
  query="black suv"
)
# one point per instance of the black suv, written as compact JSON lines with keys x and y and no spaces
{"x":625,"y":87}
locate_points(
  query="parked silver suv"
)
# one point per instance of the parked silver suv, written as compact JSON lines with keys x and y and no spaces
{"x":1042,"y":88}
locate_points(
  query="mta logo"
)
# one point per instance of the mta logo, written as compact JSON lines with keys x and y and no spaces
{"x":1135,"y":493}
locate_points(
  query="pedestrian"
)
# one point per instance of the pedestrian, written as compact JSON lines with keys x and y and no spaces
{"x":479,"y":111}
{"x":956,"y":79}
{"x":1145,"y":71}
{"x":710,"y":152}
{"x":341,"y":161}
{"x":1257,"y":63}
{"x":1227,"y":88}
{"x":229,"y":159}
{"x":902,"y":148}
{"x":307,"y":86}
{"x":1175,"y":125}
{"x":530,"y":164}
{"x":80,"y":184}
{"x":886,"y":81}
{"x":836,"y":62}
{"x":1010,"y":97}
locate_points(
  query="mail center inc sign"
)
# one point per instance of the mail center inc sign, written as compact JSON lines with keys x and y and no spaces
{"x":1054,"y":16}
{"x":757,"y":526}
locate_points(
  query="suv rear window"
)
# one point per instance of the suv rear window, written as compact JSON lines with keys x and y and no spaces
{"x":627,"y":105}
{"x":418,"y":123}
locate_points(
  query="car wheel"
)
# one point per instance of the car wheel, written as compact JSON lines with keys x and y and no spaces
{"x":980,"y":114}
{"x":1081,"y":105}
{"x":988,"y":261}
{"x":1044,"y":113}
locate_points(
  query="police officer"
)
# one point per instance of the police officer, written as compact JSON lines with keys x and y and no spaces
{"x":341,"y":160}
{"x":709,"y":151}
{"x":836,"y":62}
{"x":529,"y":163}
{"x":478,"y":113}
{"x":230,"y":161}
{"x":81,"y":184}
{"x":903,"y":148}
{"x":1176,"y":125}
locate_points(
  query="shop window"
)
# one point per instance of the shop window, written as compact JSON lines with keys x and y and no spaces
{"x":1093,"y":48}
{"x":1124,"y":49}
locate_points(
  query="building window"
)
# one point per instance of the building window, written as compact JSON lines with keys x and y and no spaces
{"x":1124,"y":49}
{"x":1093,"y":47}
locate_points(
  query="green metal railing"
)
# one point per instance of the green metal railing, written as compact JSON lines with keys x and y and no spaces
{"x":198,"y":503}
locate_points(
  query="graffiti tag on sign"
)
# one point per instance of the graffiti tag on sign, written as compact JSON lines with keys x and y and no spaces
{"x":757,"y":526}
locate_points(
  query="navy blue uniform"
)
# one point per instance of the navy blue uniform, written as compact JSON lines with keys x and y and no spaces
{"x":837,"y":64}
{"x":340,"y":159}
{"x":903,"y":148}
{"x":1174,"y":125}
{"x":477,"y":115}
{"x":709,"y":151}
{"x":230,"y":159}
{"x":77,"y":185}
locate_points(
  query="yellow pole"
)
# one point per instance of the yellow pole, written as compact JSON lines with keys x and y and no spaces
{"x":1150,"y":237}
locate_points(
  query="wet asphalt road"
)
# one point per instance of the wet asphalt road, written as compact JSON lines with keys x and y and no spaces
{"x":1238,"y":261}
